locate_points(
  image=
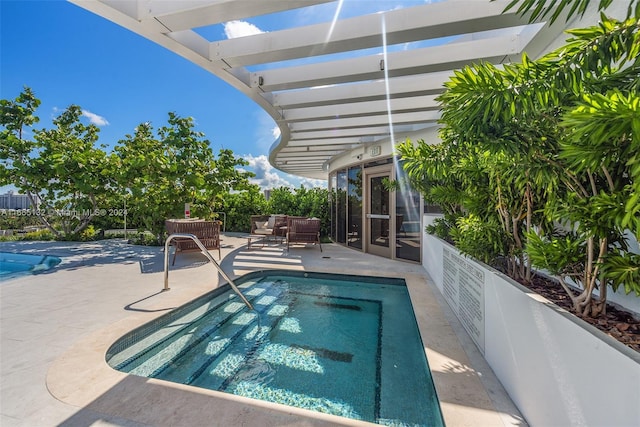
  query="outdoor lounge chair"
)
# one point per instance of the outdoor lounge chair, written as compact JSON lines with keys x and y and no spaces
{"x":303,"y":230}
{"x":208,"y":232}
{"x":269,"y":225}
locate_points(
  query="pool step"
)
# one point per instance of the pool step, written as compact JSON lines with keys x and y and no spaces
{"x":138,"y":343}
{"x":196,"y":337}
{"x":249,"y":371}
{"x":243,"y":332}
{"x":213,"y":312}
{"x":221,"y":368}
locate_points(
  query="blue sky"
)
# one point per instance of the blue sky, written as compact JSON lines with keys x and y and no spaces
{"x":70,"y":56}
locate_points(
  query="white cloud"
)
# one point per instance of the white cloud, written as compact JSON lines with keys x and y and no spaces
{"x":275,"y":132}
{"x":234,"y":29}
{"x":266,"y":131}
{"x":269,"y":177}
{"x":266,"y":175}
{"x":94,"y":118}
{"x":312,"y":183}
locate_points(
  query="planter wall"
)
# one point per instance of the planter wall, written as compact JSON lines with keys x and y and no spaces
{"x":557,"y":369}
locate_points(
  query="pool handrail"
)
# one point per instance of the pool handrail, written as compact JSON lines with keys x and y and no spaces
{"x":208,"y":255}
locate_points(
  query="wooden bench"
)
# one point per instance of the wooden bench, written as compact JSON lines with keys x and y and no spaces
{"x":208,"y":232}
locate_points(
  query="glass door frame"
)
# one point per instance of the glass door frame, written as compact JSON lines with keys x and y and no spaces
{"x":377,"y":172}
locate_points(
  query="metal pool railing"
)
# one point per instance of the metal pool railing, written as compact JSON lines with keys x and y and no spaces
{"x":208,"y":255}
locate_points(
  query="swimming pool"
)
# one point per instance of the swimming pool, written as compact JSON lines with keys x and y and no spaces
{"x":338,"y":344}
{"x":15,"y":264}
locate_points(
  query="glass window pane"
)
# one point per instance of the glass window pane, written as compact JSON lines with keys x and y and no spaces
{"x":341,"y":212}
{"x":408,"y":231}
{"x":354,"y":226}
{"x":379,"y":206}
{"x":333,"y":207}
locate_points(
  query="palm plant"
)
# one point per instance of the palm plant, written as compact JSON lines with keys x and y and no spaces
{"x":601,"y":68}
{"x":555,"y":142}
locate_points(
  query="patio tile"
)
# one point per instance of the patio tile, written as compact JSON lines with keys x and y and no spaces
{"x":56,"y":328}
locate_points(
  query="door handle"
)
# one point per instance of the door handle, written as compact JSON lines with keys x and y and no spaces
{"x":376,"y":216}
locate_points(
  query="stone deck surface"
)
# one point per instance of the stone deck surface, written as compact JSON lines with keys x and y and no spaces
{"x":56,"y":327}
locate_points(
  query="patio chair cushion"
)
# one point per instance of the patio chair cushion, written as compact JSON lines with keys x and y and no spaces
{"x":271,"y":222}
{"x":269,"y":225}
{"x":263,"y":231}
{"x":257,"y":225}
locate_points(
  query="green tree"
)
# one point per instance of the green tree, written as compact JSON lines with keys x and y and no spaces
{"x":301,"y":201}
{"x":239,"y":206}
{"x":314,"y":203}
{"x":467,"y":182}
{"x":549,"y":142}
{"x":600,"y":67}
{"x":61,"y":170}
{"x":225,"y":177}
{"x":160,"y":173}
{"x":16,"y":117}
{"x":540,"y":9}
{"x":282,"y":200}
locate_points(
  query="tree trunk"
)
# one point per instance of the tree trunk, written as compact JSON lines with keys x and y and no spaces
{"x":84,"y":222}
{"x":529,"y":222}
{"x":40,"y":214}
{"x":584,"y":304}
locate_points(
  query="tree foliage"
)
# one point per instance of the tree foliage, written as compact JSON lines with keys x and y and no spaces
{"x":548,"y":150}
{"x":16,"y":117}
{"x":239,"y":206}
{"x":62,"y":170}
{"x":301,"y":201}
{"x":160,"y":172}
{"x":150,"y":174}
{"x":554,"y":9}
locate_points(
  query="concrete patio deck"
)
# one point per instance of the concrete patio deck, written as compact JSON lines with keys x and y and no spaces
{"x":55,"y":329}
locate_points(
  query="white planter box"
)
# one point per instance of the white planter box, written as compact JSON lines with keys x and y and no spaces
{"x":558,"y":369}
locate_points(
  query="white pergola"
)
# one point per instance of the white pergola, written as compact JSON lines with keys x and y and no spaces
{"x":343,"y":84}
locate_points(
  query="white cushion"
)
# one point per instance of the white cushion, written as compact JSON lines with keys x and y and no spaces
{"x":271,"y":222}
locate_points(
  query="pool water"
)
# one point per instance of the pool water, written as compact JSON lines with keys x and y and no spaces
{"x":14,"y":264}
{"x":343,"y":345}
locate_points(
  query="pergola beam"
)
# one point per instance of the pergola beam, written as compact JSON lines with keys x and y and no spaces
{"x":337,"y":85}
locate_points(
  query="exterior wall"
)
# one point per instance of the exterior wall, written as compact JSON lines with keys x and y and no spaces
{"x":619,"y":297}
{"x":363,"y":154}
{"x":629,"y":302}
{"x":557,"y":369}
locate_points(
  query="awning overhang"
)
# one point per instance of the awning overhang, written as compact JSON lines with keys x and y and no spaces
{"x":346,"y":83}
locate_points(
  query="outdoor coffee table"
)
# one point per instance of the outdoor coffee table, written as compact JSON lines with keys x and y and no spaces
{"x":255,"y":237}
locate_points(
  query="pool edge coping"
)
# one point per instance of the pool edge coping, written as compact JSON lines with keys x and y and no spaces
{"x":82,"y":378}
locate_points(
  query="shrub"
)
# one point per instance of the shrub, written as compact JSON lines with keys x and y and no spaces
{"x":44,"y":234}
{"x":88,"y":234}
{"x":145,"y":238}
{"x":477,"y":238}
